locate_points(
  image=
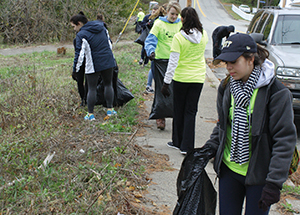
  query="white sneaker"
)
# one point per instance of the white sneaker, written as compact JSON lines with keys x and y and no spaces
{"x":141,"y":61}
{"x":149,"y":89}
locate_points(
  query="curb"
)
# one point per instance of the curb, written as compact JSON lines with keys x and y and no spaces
{"x":211,"y":76}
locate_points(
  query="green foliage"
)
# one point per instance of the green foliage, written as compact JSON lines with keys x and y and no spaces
{"x":28,"y":21}
{"x":39,"y":115}
{"x":288,"y":207}
{"x":287,"y":190}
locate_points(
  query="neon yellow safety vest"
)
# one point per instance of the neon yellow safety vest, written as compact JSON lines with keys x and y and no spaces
{"x":191,"y":66}
{"x":164,"y":32}
{"x":140,"y":16}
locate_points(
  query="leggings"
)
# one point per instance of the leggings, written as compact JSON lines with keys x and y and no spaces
{"x":92,"y":79}
{"x":232,"y":191}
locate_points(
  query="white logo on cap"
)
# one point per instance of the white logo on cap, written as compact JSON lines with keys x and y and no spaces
{"x":227,"y":44}
{"x":248,"y":48}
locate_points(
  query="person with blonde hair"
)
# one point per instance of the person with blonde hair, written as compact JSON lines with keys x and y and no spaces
{"x":158,"y":46}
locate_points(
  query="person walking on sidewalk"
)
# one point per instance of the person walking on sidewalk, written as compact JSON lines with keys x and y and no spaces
{"x":158,"y":42}
{"x":187,"y":67}
{"x":255,"y":136}
{"x":218,"y":34}
{"x":93,"y":44}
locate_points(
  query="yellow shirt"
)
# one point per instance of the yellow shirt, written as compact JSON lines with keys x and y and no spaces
{"x":164,"y":32}
{"x":191,"y":66}
{"x":140,"y":16}
{"x":235,"y":167}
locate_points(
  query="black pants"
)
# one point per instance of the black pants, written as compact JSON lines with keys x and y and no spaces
{"x":82,"y":87}
{"x":185,"y":105}
{"x":232,"y":191}
{"x":92,"y":79}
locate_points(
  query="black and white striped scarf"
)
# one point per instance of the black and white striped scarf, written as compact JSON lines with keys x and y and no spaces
{"x":242,"y":93}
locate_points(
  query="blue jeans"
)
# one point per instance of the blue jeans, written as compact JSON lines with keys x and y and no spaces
{"x":232,"y":191}
{"x":150,"y":78}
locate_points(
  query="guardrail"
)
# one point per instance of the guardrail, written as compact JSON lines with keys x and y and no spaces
{"x":242,"y":14}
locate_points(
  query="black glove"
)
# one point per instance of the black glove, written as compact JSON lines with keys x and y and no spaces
{"x":152,"y":56}
{"x":74,"y":76}
{"x":165,"y":90}
{"x":270,"y":195}
{"x":209,"y":151}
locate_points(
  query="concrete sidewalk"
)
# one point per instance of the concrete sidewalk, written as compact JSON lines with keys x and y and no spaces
{"x":163,"y":189}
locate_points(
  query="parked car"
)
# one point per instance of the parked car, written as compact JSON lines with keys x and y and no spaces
{"x":278,"y":30}
{"x":245,"y":8}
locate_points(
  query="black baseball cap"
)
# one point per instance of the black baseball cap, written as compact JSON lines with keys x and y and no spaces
{"x":235,"y":46}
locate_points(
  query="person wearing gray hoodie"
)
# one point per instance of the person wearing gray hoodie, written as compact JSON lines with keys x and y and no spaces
{"x":255,"y":136}
{"x":187,"y":68}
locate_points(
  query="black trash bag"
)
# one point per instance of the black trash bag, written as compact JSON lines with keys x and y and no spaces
{"x":162,"y":107}
{"x":121,"y":94}
{"x":138,"y":27}
{"x":196,"y":194}
{"x":143,"y":36}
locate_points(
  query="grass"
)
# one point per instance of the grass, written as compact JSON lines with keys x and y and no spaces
{"x":96,"y":169}
{"x":230,"y":12}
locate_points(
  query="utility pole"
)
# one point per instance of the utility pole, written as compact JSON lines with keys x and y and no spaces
{"x":258,"y":4}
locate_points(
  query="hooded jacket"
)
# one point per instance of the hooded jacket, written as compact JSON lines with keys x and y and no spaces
{"x":220,"y":32}
{"x":92,"y":42}
{"x":187,"y":62}
{"x":273,"y":131}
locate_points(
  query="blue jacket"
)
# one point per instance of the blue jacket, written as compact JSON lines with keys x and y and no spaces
{"x":93,"y":44}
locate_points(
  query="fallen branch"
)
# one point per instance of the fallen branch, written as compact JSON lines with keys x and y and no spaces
{"x":99,"y":194}
{"x":131,"y":138}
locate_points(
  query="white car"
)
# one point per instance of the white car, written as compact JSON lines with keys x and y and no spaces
{"x":245,"y":8}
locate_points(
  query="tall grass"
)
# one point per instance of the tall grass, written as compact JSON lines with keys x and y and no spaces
{"x":95,"y":168}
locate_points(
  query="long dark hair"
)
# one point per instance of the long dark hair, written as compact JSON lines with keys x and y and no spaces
{"x":259,"y":57}
{"x":190,"y":20}
{"x":80,"y":17}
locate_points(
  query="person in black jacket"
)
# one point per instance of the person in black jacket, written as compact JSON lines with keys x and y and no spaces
{"x":255,"y":136}
{"x":218,"y":34}
{"x":93,"y":45}
{"x":146,"y":24}
{"x":79,"y":78}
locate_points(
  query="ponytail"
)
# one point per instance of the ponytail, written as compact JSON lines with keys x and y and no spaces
{"x":259,"y":57}
{"x":80,"y":17}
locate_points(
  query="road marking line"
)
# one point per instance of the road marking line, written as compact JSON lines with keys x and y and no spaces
{"x":200,"y":9}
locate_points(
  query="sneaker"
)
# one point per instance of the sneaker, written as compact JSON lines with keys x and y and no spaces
{"x":171,"y":145}
{"x":149,"y":89}
{"x":141,"y":61}
{"x":111,"y":112}
{"x":90,"y":117}
{"x":183,"y":152}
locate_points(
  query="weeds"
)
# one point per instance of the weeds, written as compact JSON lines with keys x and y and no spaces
{"x":96,"y":169}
